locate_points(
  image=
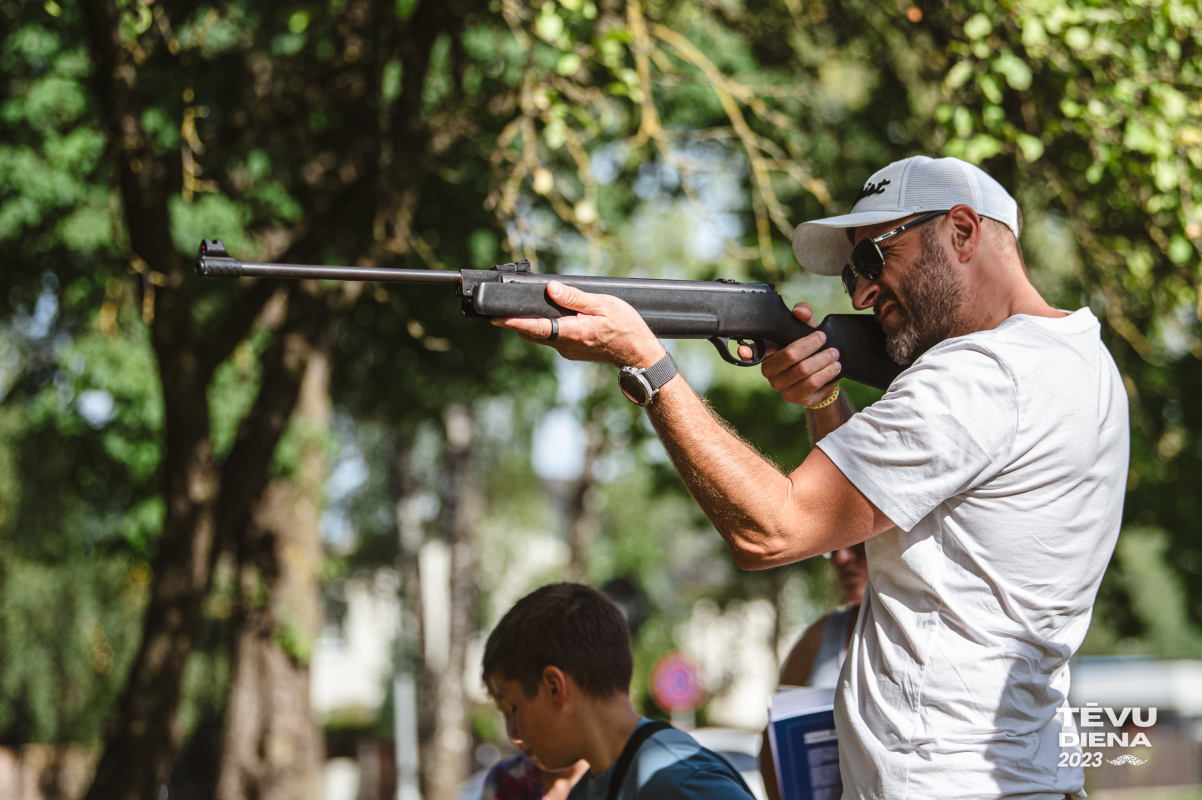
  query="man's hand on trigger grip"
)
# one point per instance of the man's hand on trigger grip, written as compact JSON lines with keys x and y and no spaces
{"x":800,"y":371}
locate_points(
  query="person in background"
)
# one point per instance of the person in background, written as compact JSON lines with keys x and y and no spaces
{"x":524,"y":778}
{"x":558,"y":665}
{"x":817,"y":655}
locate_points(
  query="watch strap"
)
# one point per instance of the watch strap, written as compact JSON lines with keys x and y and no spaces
{"x":661,"y":372}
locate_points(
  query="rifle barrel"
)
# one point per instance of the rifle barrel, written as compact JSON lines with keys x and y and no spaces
{"x":379,"y":274}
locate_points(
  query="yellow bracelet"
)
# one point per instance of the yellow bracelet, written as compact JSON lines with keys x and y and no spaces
{"x":834,"y":396}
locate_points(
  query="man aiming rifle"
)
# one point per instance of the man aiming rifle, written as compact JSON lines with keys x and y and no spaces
{"x":987,"y":483}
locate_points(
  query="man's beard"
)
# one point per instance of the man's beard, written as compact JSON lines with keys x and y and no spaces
{"x":929,"y":302}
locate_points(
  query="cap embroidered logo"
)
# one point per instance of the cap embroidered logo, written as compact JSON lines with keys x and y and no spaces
{"x":872,"y":188}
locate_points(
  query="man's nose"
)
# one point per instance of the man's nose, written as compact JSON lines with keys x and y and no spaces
{"x":866,"y":293}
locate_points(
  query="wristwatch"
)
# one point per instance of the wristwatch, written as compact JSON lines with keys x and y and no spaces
{"x":641,"y":385}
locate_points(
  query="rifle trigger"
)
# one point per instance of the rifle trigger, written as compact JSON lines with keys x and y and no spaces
{"x":759,"y":348}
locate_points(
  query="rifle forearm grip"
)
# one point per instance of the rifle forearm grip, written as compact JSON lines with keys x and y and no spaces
{"x":214,"y":262}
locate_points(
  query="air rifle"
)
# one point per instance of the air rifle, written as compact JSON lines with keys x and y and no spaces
{"x":751,"y":314}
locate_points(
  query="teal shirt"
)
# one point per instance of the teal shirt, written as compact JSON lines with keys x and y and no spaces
{"x":669,"y":766}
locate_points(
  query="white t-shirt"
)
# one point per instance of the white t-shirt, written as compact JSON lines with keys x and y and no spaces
{"x":1001,"y":456}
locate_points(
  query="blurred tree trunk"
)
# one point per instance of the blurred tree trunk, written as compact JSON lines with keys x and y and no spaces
{"x":272,"y":748}
{"x":144,"y":736}
{"x":206,"y":500}
{"x":582,"y":500}
{"x":445,"y":751}
{"x":777,"y":584}
{"x":201,"y":498}
{"x":410,"y":533}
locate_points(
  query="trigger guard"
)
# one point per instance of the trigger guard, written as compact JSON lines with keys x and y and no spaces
{"x":722,"y":344}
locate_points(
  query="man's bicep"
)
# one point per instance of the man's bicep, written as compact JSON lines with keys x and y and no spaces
{"x":836,"y":513}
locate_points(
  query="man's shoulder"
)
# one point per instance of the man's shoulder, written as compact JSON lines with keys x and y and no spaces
{"x":1028,"y":355}
{"x":983,"y":348}
{"x":1023,"y":338}
{"x":967,"y":366}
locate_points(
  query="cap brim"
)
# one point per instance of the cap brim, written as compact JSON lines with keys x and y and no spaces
{"x":822,"y":247}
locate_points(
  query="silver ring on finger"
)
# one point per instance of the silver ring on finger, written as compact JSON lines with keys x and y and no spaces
{"x":554,"y":331}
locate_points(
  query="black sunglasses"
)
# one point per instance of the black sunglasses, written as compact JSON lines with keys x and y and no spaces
{"x":867,"y":261}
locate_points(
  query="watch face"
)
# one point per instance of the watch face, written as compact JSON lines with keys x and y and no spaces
{"x":635,"y":388}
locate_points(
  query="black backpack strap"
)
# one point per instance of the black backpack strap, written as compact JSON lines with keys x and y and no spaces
{"x":622,"y":765}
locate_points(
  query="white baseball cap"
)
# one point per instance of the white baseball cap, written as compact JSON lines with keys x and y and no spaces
{"x":904,"y":188}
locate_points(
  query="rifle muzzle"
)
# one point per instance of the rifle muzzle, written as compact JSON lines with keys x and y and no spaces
{"x":214,"y":262}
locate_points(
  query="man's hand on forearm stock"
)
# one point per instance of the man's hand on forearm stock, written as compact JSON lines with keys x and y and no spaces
{"x":605,"y":330}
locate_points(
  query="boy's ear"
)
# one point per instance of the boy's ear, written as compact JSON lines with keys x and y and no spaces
{"x":556,"y":683}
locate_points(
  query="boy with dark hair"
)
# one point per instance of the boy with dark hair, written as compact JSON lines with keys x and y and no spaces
{"x":558,"y":665}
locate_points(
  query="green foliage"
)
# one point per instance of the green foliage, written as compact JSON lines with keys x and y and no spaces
{"x":191,"y":222}
{"x":1143,"y":605}
{"x":86,"y":446}
{"x":90,"y":610}
{"x":290,"y":638}
{"x":233,"y":390}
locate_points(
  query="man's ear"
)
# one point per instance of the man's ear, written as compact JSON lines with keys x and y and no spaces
{"x":555,"y":681}
{"x":966,"y":231}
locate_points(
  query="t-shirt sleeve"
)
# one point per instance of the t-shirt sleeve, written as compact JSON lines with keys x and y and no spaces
{"x":946,"y":425}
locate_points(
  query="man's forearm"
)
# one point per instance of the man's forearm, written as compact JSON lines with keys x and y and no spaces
{"x":744,"y":495}
{"x":821,"y":422}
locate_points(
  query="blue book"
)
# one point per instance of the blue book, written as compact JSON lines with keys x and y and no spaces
{"x":801,"y":730}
